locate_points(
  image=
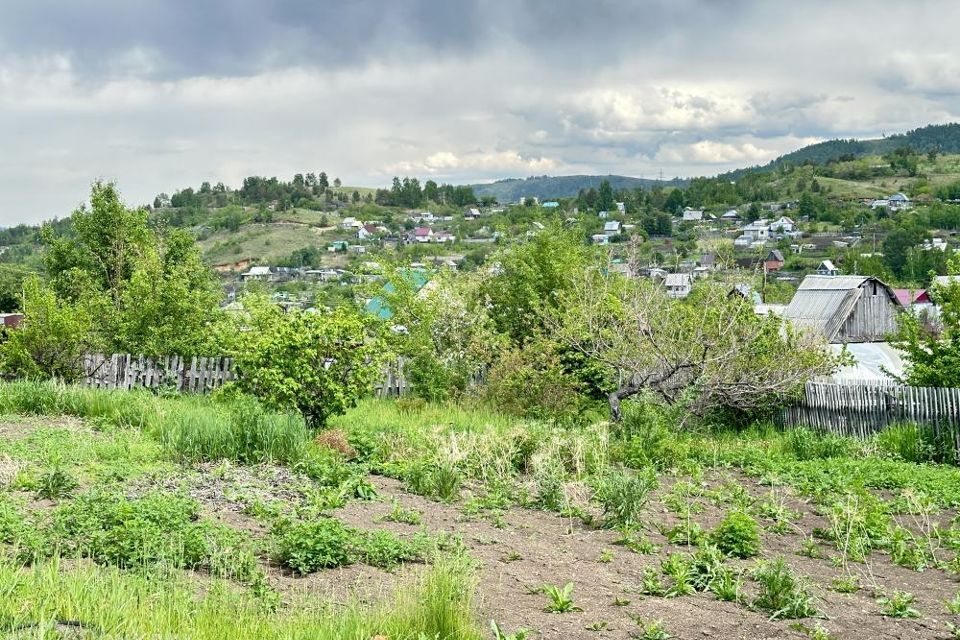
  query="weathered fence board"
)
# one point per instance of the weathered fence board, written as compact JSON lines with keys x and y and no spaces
{"x":196,"y":375}
{"x":860,"y":408}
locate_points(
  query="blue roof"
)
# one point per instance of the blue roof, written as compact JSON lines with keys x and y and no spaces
{"x":378,"y":306}
{"x":550,"y":204}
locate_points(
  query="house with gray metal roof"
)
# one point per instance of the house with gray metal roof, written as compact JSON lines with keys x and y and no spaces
{"x":845,"y":308}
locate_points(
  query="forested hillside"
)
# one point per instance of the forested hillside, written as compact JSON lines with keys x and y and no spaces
{"x":547,"y":187}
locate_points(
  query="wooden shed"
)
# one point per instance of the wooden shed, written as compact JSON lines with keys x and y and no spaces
{"x":845,"y":308}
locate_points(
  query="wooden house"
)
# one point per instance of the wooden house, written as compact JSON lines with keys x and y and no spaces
{"x":845,"y":308}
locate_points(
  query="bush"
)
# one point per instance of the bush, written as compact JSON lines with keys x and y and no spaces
{"x":532,"y":383}
{"x":306,"y":547}
{"x":737,"y":535}
{"x":318,"y":364}
{"x":326,"y":543}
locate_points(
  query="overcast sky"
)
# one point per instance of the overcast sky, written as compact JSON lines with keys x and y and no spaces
{"x":162,"y":94}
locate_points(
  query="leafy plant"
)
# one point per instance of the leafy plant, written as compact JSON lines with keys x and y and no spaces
{"x":306,"y":547}
{"x":845,"y":584}
{"x":654,"y":630}
{"x":898,"y":605}
{"x":561,"y":598}
{"x":737,"y":535}
{"x":678,"y":569}
{"x":398,"y":513}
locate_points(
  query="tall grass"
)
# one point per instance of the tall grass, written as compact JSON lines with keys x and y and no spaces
{"x":191,"y":428}
{"x":118,"y":604}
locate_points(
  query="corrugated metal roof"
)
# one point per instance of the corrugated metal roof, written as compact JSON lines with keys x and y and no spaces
{"x":677,"y":279}
{"x":831,"y":283}
{"x":823,"y":303}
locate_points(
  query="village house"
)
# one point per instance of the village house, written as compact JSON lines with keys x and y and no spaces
{"x":845,"y":309}
{"x":936,"y":243}
{"x":471,"y":214}
{"x":731,"y":215}
{"x":367,"y":231}
{"x":262,"y":274}
{"x":611,"y":227}
{"x":896,"y":202}
{"x":678,"y":285}
{"x":782,"y":225}
{"x":692,"y":215}
{"x":442,"y":237}
{"x":600,"y":238}
{"x":349,"y":224}
{"x":421,"y":235}
{"x":553,"y":204}
{"x":827,"y":268}
{"x":708,"y":261}
{"x":774,"y":261}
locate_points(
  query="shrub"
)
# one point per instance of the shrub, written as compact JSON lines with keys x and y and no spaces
{"x":781,"y":592}
{"x":306,"y":547}
{"x":737,"y":535}
{"x":624,"y":497}
{"x":318,"y":364}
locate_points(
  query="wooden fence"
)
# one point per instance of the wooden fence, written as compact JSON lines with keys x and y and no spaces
{"x":195,"y":375}
{"x":861,"y":408}
{"x":124,"y":371}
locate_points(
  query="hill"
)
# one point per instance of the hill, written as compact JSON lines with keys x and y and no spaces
{"x":547,"y":187}
{"x":944,"y":138}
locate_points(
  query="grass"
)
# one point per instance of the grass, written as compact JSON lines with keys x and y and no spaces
{"x":112,"y":603}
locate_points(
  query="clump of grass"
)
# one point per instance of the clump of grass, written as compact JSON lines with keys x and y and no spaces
{"x":737,"y":535}
{"x":624,"y":496}
{"x":55,"y":484}
{"x":845,"y":584}
{"x":118,"y":604}
{"x":440,"y":480}
{"x":781,"y":592}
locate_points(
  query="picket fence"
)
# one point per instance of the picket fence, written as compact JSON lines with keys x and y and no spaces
{"x":194,"y":375}
{"x":861,"y":408}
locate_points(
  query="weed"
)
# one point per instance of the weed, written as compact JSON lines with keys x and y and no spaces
{"x":561,"y":598}
{"x":953,"y":606}
{"x":500,"y":634}
{"x":737,"y":535}
{"x":306,"y":547}
{"x":398,"y":513}
{"x":511,"y":556}
{"x":636,"y":543}
{"x":55,"y":484}
{"x":677,"y":567}
{"x":620,"y":602}
{"x":651,"y":585}
{"x":727,"y":584}
{"x":600,"y":625}
{"x":606,"y":556}
{"x":654,"y":630}
{"x":781,"y":592}
{"x":435,"y":480}
{"x":809,"y":549}
{"x":898,"y":605}
{"x":954,"y":630}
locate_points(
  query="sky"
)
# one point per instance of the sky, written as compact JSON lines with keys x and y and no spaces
{"x":158,"y":95}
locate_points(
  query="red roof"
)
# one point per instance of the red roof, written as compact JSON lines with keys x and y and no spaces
{"x":906,"y":297}
{"x":422,"y":231}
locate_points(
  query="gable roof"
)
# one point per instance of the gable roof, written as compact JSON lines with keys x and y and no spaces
{"x":775,"y":255}
{"x":613,"y":225}
{"x":827,"y":265}
{"x":823,"y":303}
{"x":907,"y":297}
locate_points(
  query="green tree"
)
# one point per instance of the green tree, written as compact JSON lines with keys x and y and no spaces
{"x":705,"y":353}
{"x":605,"y":200}
{"x":932,"y":353}
{"x":53,"y":337}
{"x":316,"y":363}
{"x":530,"y":280}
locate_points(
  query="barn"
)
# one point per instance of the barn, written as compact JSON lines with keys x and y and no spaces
{"x":845,"y":308}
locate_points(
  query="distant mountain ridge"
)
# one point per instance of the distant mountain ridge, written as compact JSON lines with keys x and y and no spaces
{"x":945,"y":138}
{"x":547,"y":187}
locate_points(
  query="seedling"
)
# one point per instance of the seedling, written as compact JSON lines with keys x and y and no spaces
{"x":953,"y":606}
{"x":652,"y":630}
{"x":809,"y":549}
{"x":561,"y":598}
{"x":620,"y":602}
{"x":845,"y":584}
{"x":600,"y":625}
{"x":606,"y":556}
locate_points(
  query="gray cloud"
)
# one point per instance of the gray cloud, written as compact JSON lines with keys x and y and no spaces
{"x":163,"y":94}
